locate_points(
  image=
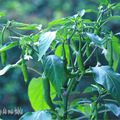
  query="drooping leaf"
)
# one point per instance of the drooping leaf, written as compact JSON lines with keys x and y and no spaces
{"x":36,"y":94}
{"x":5,"y":69}
{"x":24,"y":26}
{"x":28,"y":27}
{"x":106,"y":77}
{"x":54,"y":70}
{"x":39,"y":115}
{"x":45,"y":42}
{"x":18,"y":24}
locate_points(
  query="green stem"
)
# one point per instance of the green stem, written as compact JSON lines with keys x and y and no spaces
{"x":111,"y":54}
{"x":94,"y":113}
{"x":105,"y":116}
{"x":66,"y":96}
{"x":70,"y":50}
{"x":90,"y":55}
{"x":32,"y":69}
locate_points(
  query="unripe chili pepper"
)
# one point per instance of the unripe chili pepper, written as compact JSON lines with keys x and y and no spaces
{"x":87,"y":50}
{"x":3,"y":57}
{"x":80,"y":62}
{"x":24,"y":70}
{"x":46,"y":92}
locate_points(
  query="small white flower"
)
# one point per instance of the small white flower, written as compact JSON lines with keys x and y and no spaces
{"x":98,"y":64}
{"x":104,"y":51}
{"x":27,"y":57}
{"x":37,"y":43}
{"x":39,"y":27}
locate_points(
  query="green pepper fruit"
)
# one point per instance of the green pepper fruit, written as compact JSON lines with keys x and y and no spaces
{"x":46,"y":92}
{"x":3,"y":57}
{"x":24,"y":70}
{"x":80,"y":62}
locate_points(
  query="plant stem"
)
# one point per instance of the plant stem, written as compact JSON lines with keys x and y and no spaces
{"x":65,"y":106}
{"x":111,"y":54}
{"x":67,"y":93}
{"x":90,"y":55}
{"x":32,"y":69}
{"x":69,"y":47}
{"x":96,"y":112}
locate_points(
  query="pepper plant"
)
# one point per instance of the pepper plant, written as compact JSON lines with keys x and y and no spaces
{"x":74,"y":83}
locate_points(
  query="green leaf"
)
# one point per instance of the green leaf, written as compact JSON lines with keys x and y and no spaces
{"x":23,"y":26}
{"x":9,"y":46}
{"x":61,"y":21}
{"x":104,"y":2}
{"x":112,"y":18}
{"x":95,"y":39}
{"x":116,"y":45}
{"x":54,"y":70}
{"x":85,"y":109}
{"x":45,"y":42}
{"x":106,"y":77}
{"x":117,"y":6}
{"x":116,"y":52}
{"x":28,"y":27}
{"x":39,"y":115}
{"x":59,"y":51}
{"x":114,"y":108}
{"x":5,"y":69}
{"x":82,"y":13}
{"x":36,"y":94}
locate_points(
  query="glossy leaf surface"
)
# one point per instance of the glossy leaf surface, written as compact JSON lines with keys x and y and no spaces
{"x":106,"y":77}
{"x":54,"y":70}
{"x":39,"y":115}
{"x":45,"y":42}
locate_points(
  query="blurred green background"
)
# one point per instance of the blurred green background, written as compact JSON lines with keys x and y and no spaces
{"x":13,"y":89}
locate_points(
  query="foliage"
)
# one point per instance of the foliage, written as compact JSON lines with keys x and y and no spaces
{"x":64,"y":49}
